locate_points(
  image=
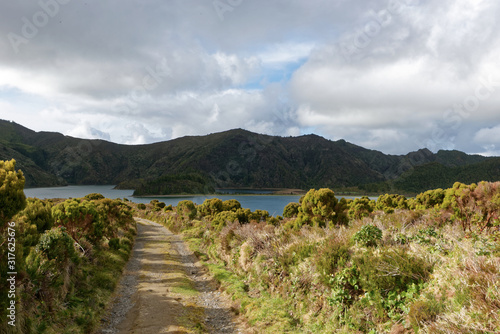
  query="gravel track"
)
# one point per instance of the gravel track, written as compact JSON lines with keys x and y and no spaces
{"x":164,"y":289}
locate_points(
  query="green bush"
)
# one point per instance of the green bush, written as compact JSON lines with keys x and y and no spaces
{"x":211,"y":207}
{"x":186,"y":209}
{"x":330,"y":258}
{"x":368,"y":235}
{"x":37,"y":213}
{"x":388,"y":203}
{"x":475,"y":206}
{"x":392,"y":270}
{"x":360,"y":208}
{"x":341,"y":211}
{"x":222,"y":219}
{"x":231,"y":205}
{"x":317,"y":208}
{"x":275,"y":221}
{"x":157,"y":205}
{"x":114,"y":243}
{"x":141,"y":206}
{"x":258,"y":215}
{"x":12,"y":198}
{"x":345,"y":287}
{"x":243,"y":215}
{"x":94,"y":196}
{"x":113,"y":214}
{"x":34,"y":220}
{"x":429,"y":199}
{"x":57,"y":245}
{"x":291,"y":210}
{"x":296,"y":253}
{"x":81,"y":219}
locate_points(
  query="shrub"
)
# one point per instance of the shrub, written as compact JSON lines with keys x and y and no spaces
{"x":186,"y":209}
{"x":368,"y":236}
{"x":424,"y":236}
{"x":243,"y":215}
{"x":388,"y":203}
{"x":231,"y":205}
{"x":157,"y":205}
{"x":49,"y":267}
{"x":429,"y":199}
{"x":296,"y":252}
{"x":38,"y":213}
{"x":317,"y":207}
{"x":246,"y":215}
{"x":34,"y":220}
{"x":57,"y":245}
{"x":94,"y":196}
{"x":291,"y":210}
{"x":360,"y":208}
{"x":341,"y":210}
{"x":275,"y":221}
{"x":258,"y":215}
{"x":222,"y":219}
{"x":393,"y":270}
{"x":211,"y":207}
{"x":114,"y":243}
{"x":81,"y":219}
{"x":12,"y":198}
{"x":113,"y":214}
{"x":476,"y":207}
{"x":330,"y":258}
{"x":345,"y":287}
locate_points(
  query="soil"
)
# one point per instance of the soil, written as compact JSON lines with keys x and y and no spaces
{"x":164,"y":289}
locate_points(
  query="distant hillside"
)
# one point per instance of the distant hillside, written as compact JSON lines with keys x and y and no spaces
{"x":234,"y":158}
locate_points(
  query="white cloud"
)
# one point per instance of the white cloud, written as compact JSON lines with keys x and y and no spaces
{"x":283,"y":53}
{"x":84,"y":130}
{"x":140,"y":72}
{"x":489,"y":135}
{"x":235,"y":69}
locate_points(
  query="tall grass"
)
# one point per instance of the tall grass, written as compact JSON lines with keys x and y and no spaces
{"x":403,"y":270}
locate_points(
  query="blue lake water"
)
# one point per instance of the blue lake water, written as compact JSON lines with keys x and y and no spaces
{"x":274,"y":204}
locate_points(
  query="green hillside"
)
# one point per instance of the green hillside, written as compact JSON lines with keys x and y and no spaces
{"x":235,"y":158}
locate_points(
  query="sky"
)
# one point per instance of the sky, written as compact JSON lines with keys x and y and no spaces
{"x":389,"y":75}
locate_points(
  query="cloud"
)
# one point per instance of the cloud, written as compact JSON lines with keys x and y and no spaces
{"x":489,"y":139}
{"x":84,"y":130}
{"x":381,"y":95}
{"x":389,"y":75}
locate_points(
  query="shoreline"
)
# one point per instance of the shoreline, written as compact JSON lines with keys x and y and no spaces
{"x":238,"y":191}
{"x":246,"y":191}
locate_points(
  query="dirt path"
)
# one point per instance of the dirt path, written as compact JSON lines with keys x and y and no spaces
{"x":165,"y":290}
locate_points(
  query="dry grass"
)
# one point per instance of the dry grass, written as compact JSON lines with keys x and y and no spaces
{"x":294,"y":269}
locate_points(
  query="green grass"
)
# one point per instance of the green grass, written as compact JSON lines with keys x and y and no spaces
{"x":185,"y":287}
{"x":422,"y":273}
{"x":89,"y":290}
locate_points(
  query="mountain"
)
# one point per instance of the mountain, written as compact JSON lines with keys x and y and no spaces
{"x":233,"y":159}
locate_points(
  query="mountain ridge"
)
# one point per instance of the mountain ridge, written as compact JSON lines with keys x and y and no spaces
{"x":234,"y":158}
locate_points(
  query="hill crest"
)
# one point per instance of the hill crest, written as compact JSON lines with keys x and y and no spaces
{"x":233,"y":158}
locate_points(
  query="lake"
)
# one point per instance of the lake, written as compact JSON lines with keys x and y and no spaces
{"x":274,"y":204}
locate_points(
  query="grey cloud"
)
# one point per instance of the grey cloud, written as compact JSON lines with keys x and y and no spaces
{"x":374,"y":72}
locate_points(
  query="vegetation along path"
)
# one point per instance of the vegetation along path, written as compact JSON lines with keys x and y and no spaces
{"x":165,"y":290}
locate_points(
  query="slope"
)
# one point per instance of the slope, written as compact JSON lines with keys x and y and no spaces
{"x":234,"y":158}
